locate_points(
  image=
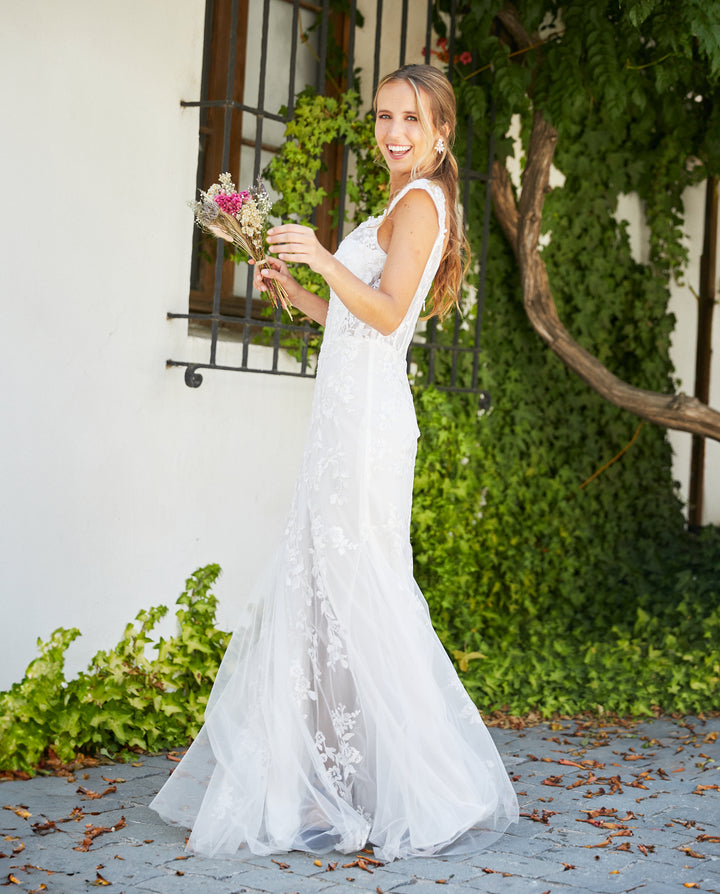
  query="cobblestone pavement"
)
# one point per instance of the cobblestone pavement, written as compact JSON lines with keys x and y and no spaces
{"x":604,"y":809}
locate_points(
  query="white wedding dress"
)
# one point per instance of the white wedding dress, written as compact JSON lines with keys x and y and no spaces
{"x":337,"y":720}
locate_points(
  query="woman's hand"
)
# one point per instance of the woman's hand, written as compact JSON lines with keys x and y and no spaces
{"x":272,"y":268}
{"x":308,"y":302}
{"x":299,"y":245}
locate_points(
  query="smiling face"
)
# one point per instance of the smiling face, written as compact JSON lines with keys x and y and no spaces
{"x":399,"y":132}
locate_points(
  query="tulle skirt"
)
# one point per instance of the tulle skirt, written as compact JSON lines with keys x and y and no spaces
{"x":337,"y":720}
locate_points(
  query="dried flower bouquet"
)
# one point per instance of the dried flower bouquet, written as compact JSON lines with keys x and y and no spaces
{"x":240,"y":218}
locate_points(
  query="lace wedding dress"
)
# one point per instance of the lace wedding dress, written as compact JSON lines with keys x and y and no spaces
{"x":337,"y":719}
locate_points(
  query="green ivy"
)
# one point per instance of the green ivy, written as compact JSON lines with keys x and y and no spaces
{"x":552,"y":595}
{"x":318,"y":122}
{"x":124,"y":700}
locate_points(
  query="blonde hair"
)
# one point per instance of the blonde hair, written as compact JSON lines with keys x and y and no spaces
{"x":442,"y":168}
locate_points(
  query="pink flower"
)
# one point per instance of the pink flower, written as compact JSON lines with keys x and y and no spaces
{"x":466,"y":58}
{"x":231,"y":203}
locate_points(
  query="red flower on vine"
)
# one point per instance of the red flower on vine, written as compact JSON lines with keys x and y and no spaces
{"x":464,"y":58}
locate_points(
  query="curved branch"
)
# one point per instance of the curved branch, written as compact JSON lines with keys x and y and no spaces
{"x":521,"y":224}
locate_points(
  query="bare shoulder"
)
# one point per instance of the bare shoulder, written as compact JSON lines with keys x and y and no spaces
{"x":416,"y":212}
{"x":416,"y":201}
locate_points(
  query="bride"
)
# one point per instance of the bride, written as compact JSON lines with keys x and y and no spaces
{"x":337,"y":720}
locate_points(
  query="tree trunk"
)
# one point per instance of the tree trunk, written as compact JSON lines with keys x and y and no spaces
{"x":521,"y":224}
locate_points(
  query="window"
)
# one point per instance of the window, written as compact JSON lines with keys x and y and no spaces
{"x":258,"y":54}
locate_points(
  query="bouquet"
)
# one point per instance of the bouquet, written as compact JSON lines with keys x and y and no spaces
{"x":240,"y":218}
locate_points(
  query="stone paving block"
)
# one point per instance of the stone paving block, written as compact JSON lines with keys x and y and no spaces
{"x":192,"y":884}
{"x":423,"y":886}
{"x":381,"y":878}
{"x":299,"y":863}
{"x":498,"y":884}
{"x":280,"y":881}
{"x":350,"y":887}
{"x":648,"y":874}
{"x":520,"y":844}
{"x":457,"y":869}
{"x":516,"y":864}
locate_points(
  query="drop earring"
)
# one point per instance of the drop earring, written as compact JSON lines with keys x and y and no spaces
{"x":440,"y":146}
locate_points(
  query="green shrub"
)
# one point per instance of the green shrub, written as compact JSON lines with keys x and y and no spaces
{"x":124,"y":700}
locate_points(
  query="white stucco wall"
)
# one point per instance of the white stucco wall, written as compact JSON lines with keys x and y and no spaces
{"x":683,"y":304}
{"x":117,"y":479}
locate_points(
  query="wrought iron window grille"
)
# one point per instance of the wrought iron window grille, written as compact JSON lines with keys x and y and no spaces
{"x":244,"y":319}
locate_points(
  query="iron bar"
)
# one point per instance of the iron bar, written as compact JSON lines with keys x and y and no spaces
{"x":322,"y":69}
{"x":350,"y":84}
{"x":293,"y":59}
{"x":378,"y":33}
{"x":403,"y":33}
{"x":428,"y":31}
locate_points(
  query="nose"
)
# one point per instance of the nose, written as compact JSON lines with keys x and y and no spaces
{"x":395,"y":130}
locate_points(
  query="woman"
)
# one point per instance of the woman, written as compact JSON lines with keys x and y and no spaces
{"x":337,"y":719}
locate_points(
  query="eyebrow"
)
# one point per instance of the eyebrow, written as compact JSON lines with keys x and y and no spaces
{"x":407,"y":112}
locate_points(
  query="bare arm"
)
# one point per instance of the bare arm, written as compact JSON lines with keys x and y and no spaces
{"x":414,"y":229}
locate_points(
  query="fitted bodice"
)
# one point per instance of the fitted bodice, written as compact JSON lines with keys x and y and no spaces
{"x":361,"y":253}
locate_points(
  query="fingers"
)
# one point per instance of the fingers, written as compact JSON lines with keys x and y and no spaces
{"x":291,"y":242}
{"x":273,"y":268}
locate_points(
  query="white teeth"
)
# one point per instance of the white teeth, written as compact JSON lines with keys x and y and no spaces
{"x":398,"y":148}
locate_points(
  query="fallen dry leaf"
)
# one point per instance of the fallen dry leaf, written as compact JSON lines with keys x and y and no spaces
{"x":92,"y":832}
{"x":553,"y":780}
{"x":94,"y":796}
{"x":625,"y":846}
{"x":281,"y":865}
{"x":710,"y":738}
{"x":591,"y":780}
{"x":606,"y":843}
{"x":711,"y":839}
{"x":331,"y":867}
{"x":538,"y":818}
{"x":699,"y":789}
{"x":690,"y":885}
{"x":44,"y":828}
{"x":567,"y":866}
{"x":691,"y":853}
{"x":20,"y":810}
{"x":599,"y":811}
{"x":100,"y":881}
